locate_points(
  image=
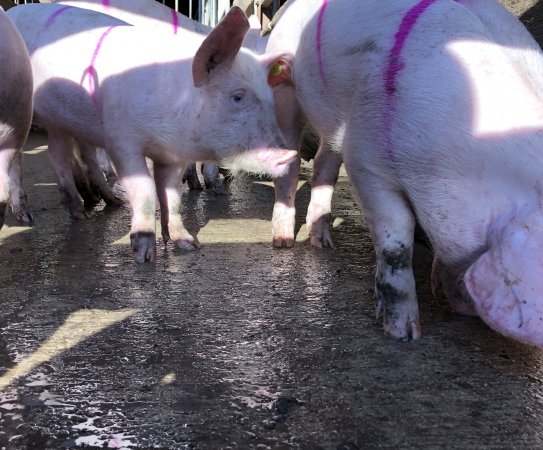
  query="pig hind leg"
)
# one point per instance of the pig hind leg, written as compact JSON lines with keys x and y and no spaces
{"x":96,"y":177}
{"x":80,"y":174}
{"x":325,"y":174}
{"x":190,"y":176}
{"x":61,"y":156}
{"x":6,"y":156}
{"x":391,"y":223}
{"x":17,"y":195}
{"x":450,"y":282}
{"x":166,"y":177}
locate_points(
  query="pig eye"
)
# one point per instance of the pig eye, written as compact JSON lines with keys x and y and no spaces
{"x":238,"y":97}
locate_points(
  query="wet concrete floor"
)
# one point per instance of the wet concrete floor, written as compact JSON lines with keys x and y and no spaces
{"x":237,"y":345}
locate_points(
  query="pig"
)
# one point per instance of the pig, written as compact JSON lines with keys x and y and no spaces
{"x":137,"y":94}
{"x":436,"y":107}
{"x":149,"y":13}
{"x":326,"y":165}
{"x":15,"y":119}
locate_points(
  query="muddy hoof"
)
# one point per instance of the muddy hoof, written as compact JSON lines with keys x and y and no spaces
{"x":143,"y":246}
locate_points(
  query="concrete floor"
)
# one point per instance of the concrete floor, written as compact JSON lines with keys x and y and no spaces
{"x":237,"y":345}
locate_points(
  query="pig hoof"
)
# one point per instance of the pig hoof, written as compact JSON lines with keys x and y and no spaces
{"x":401,"y":329}
{"x":79,"y":215}
{"x":410,"y":331}
{"x":321,"y":239}
{"x":217,"y":188}
{"x":187,"y":244}
{"x":283,"y":242}
{"x":283,"y":222}
{"x":113,"y":200}
{"x":24,"y":214}
{"x":143,"y":246}
{"x":76,"y":209}
{"x":318,"y":224}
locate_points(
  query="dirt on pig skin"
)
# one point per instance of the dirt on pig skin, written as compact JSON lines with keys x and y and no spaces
{"x":237,"y":345}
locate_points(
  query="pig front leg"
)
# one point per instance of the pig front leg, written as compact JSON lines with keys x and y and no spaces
{"x":325,"y":174}
{"x":450,"y":282}
{"x":166,"y":177}
{"x":140,"y":190}
{"x":6,"y":157}
{"x":61,"y":156}
{"x":284,"y":211}
{"x":391,"y":223}
{"x":290,"y":121}
{"x":17,"y":195}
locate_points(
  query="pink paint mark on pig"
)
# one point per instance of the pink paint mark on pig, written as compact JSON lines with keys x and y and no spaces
{"x":105,"y":3}
{"x":54,"y":16}
{"x":90,"y":71}
{"x":175,"y":22}
{"x":395,"y":65}
{"x":320,"y":21}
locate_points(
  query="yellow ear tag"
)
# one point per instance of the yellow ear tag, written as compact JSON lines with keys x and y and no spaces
{"x":276,"y":70}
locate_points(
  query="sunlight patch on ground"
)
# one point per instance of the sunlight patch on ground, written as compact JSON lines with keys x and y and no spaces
{"x":168,"y":379}
{"x":7,"y":232}
{"x":79,"y":326}
{"x":270,"y":183}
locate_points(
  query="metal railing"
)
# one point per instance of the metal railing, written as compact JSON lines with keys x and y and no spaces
{"x":209,"y":12}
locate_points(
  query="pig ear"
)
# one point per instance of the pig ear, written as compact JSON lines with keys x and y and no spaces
{"x":506,"y":282}
{"x":279,"y":68}
{"x":221,"y":45}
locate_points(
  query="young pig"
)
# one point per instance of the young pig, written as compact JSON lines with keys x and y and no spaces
{"x":138,"y":95}
{"x":150,"y":13}
{"x":437,"y":109}
{"x":15,"y":118}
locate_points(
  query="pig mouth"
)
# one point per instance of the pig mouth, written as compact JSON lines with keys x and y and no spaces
{"x":270,"y":161}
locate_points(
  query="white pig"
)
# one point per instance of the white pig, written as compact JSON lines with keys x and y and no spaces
{"x":150,"y":13}
{"x":138,"y":95}
{"x":15,"y":118}
{"x":437,"y":109}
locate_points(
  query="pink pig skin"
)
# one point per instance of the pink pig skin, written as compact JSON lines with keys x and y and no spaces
{"x":137,"y":94}
{"x":15,"y":118}
{"x":437,"y":109}
{"x":150,"y":13}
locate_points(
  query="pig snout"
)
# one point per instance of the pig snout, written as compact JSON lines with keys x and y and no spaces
{"x":269,"y":160}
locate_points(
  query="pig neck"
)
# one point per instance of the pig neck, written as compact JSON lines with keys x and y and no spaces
{"x":189,"y":140}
